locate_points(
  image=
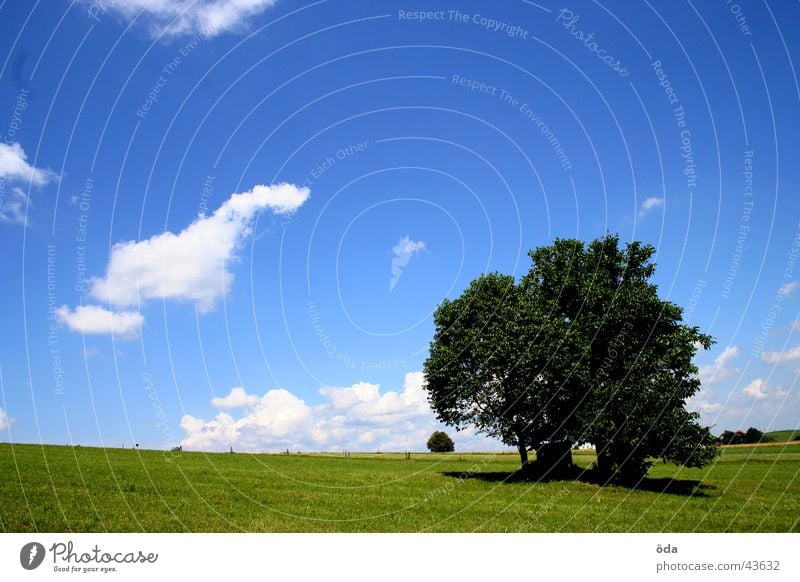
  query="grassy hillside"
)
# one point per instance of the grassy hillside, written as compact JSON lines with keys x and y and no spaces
{"x":782,"y":436}
{"x":55,"y":488}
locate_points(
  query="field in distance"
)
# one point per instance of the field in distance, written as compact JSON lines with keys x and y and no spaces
{"x":782,"y":436}
{"x":82,"y":489}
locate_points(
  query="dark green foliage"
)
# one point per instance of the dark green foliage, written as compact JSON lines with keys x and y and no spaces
{"x":730,"y":438}
{"x":638,"y":354}
{"x":440,"y":442}
{"x":752,"y":436}
{"x":582,"y":349}
{"x":496,"y":363}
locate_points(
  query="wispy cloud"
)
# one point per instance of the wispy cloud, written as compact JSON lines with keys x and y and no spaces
{"x":5,"y":420}
{"x":788,"y":289}
{"x":402,"y":253}
{"x":14,"y":166}
{"x":180,"y":17}
{"x":650,"y":204}
{"x":702,"y":402}
{"x":782,"y":357}
{"x":720,"y":370}
{"x":90,"y":352}
{"x":13,"y":208}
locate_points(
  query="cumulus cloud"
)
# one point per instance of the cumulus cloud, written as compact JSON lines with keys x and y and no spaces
{"x":356,"y":417}
{"x":191,"y":265}
{"x":402,"y":253}
{"x":276,"y":420}
{"x":176,"y":17}
{"x":237,"y":398}
{"x":363,"y":404}
{"x":756,"y":389}
{"x":92,"y":319}
{"x":650,"y":204}
{"x":720,"y":370}
{"x":788,"y":289}
{"x":782,"y":357}
{"x":13,"y":207}
{"x":14,"y":166}
{"x":5,"y":420}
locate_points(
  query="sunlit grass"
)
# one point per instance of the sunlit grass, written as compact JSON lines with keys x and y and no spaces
{"x":56,"y":488}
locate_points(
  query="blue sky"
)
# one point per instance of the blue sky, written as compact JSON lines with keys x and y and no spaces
{"x":227,"y":223}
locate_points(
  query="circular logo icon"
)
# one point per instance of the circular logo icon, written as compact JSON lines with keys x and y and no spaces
{"x":31,"y":555}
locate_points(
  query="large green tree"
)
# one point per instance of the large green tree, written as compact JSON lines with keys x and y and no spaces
{"x":583,"y":350}
{"x":496,"y":364}
{"x":637,"y":354}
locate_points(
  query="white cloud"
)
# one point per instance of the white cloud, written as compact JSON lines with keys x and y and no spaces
{"x":13,"y":207}
{"x":406,"y":246}
{"x":274,"y":421}
{"x":206,"y":17}
{"x":650,"y":204}
{"x":237,"y":398}
{"x":93,"y":319}
{"x":362,"y":404}
{"x":5,"y":420}
{"x":782,"y":357}
{"x":755,"y":389}
{"x":358,"y":417}
{"x":402,"y":253}
{"x":701,"y":402}
{"x":14,"y":166}
{"x":719,"y":371}
{"x":193,"y":264}
{"x":788,"y":289}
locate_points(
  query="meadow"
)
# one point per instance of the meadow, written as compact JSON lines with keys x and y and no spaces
{"x":83,"y":489}
{"x":782,"y":436}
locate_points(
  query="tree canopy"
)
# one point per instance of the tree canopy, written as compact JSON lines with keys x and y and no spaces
{"x":582,"y":349}
{"x":440,"y":442}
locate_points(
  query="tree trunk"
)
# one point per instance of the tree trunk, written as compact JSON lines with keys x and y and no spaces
{"x":554,"y":459}
{"x":523,"y":454}
{"x":603,"y":459}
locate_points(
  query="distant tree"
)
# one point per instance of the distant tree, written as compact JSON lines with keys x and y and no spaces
{"x":440,"y":442}
{"x":753,"y":435}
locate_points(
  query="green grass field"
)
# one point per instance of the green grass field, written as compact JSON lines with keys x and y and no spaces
{"x":783,"y":436}
{"x":56,"y":489}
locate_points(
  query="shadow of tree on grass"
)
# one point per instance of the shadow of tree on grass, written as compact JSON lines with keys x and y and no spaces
{"x":666,"y":485}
